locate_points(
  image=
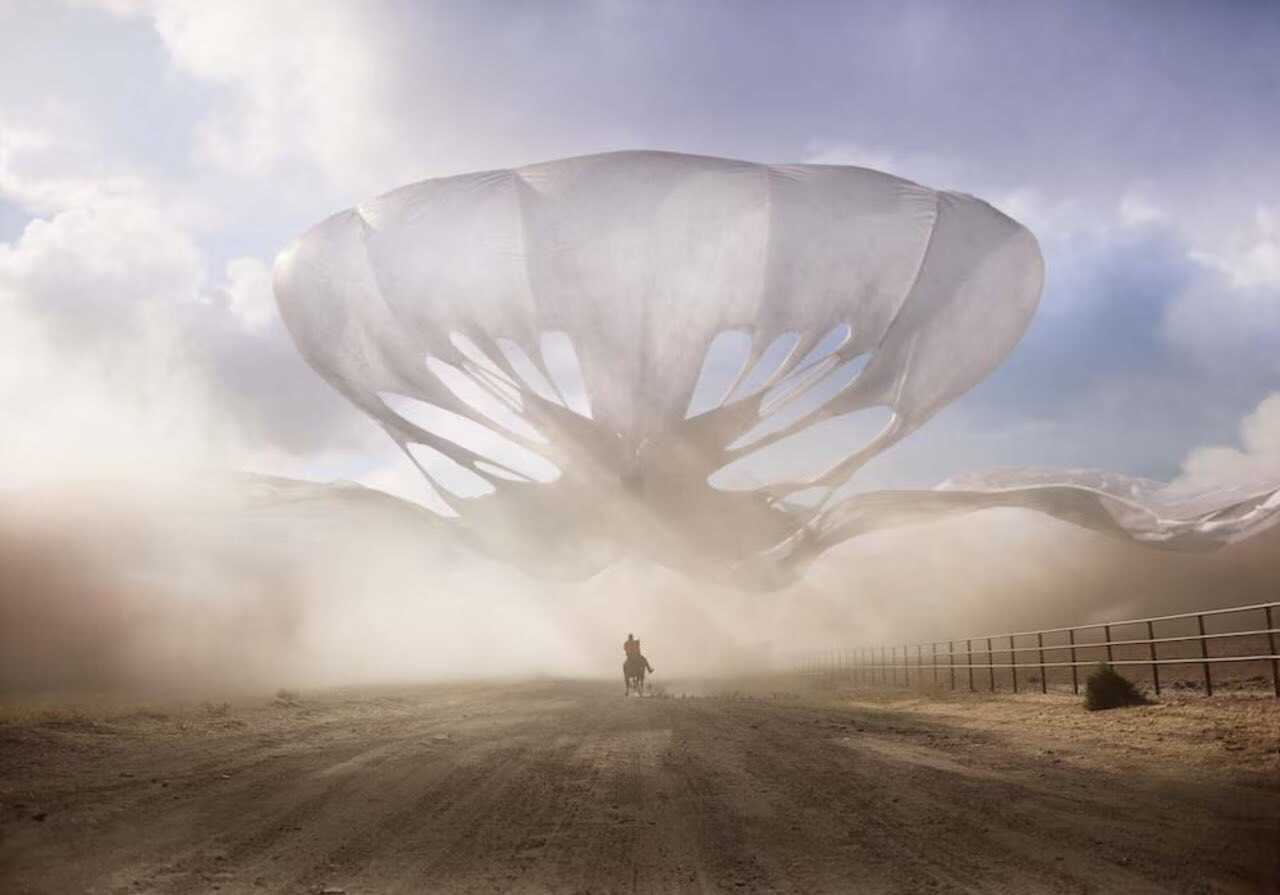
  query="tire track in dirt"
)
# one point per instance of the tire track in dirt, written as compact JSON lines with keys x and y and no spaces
{"x":552,"y":787}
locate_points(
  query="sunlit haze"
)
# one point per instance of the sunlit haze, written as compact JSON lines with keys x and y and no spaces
{"x":185,"y":503}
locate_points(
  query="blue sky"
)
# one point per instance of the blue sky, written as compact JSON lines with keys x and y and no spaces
{"x":154,"y":156}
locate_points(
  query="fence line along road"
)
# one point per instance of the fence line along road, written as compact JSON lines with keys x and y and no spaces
{"x":1240,"y":641}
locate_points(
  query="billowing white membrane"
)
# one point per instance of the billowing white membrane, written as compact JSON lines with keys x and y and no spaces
{"x":620,"y":322}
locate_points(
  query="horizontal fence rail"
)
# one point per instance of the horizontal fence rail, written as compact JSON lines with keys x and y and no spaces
{"x":1242,"y":640}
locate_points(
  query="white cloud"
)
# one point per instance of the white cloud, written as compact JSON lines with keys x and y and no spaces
{"x":126,"y":353}
{"x":251,"y":299}
{"x":92,"y":364}
{"x":121,"y":361}
{"x":101,"y":262}
{"x":1137,"y":208}
{"x":45,"y":171}
{"x":129,"y":410}
{"x":1249,"y":256}
{"x":1234,"y":307}
{"x":304,"y":83}
{"x":1257,"y":460}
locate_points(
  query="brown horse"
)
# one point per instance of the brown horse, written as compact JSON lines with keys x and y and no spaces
{"x":633,"y":673}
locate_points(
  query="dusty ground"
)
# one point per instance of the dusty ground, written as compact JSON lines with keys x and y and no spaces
{"x":559,"y":786}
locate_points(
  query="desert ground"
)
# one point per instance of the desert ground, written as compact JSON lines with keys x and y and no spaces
{"x":552,"y":786}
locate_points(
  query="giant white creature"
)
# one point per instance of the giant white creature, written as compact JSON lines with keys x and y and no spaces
{"x":630,"y":352}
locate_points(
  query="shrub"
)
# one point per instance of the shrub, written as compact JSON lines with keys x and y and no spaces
{"x":1105,"y":688}
{"x":217,"y":709}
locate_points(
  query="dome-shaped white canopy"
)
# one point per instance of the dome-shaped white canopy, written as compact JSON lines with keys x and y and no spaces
{"x":630,"y":352}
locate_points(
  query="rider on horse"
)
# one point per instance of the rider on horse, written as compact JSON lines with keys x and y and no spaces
{"x":635,"y":664}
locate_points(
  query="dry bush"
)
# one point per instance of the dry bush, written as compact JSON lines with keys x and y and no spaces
{"x":217,"y":709}
{"x":1106,"y":688}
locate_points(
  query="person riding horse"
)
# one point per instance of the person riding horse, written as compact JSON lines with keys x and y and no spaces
{"x":635,"y":665}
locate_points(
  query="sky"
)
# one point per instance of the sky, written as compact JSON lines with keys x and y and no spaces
{"x":155,"y":155}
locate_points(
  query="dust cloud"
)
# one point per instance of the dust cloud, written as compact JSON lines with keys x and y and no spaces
{"x":251,"y":582}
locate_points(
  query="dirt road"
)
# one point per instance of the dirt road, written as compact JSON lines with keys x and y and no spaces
{"x":567,"y":787}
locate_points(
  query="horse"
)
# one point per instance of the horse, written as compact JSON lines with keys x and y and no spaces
{"x":633,"y":674}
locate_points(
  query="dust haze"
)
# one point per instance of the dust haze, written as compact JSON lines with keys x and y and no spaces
{"x":249,"y":582}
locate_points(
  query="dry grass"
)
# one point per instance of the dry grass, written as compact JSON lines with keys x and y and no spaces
{"x":1229,"y":733}
{"x":287,"y":698}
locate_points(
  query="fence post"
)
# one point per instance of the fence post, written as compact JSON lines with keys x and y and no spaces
{"x":991,"y":665}
{"x":1044,"y":675}
{"x":1275,"y":665}
{"x":1013,"y":660}
{"x":1075,"y":680}
{"x":968,"y":656}
{"x":1106,"y":632}
{"x":919,"y":666}
{"x":934,"y":662}
{"x":951,"y":661}
{"x":1204,"y":654}
{"x":1155,"y":667}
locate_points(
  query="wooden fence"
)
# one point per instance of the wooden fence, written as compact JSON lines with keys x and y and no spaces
{"x":1235,"y":647}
